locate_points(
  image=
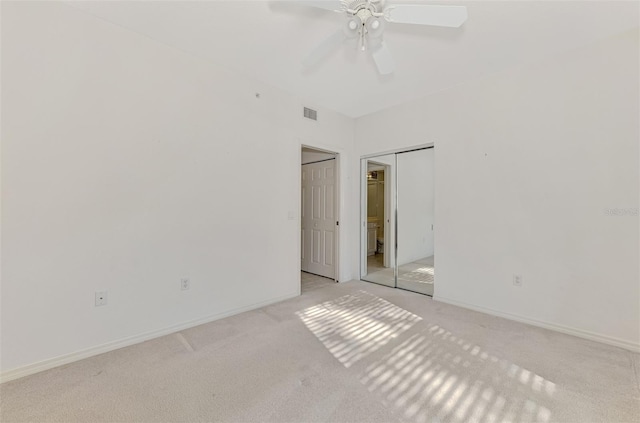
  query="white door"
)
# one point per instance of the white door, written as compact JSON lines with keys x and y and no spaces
{"x":319,"y":218}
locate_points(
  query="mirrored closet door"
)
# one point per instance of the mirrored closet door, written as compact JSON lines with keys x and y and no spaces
{"x":415,"y":197}
{"x":397,"y":248}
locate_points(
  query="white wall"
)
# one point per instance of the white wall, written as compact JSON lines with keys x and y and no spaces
{"x":526,"y":162}
{"x":127,"y":165}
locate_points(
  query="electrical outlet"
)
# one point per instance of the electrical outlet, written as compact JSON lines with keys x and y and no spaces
{"x":517,"y":280}
{"x":101,"y":298}
{"x":185,"y":284}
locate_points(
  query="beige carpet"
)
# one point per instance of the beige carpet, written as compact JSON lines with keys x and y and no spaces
{"x":311,"y":282}
{"x":353,"y":352}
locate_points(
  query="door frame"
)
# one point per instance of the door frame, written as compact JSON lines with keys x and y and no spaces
{"x":336,"y":205}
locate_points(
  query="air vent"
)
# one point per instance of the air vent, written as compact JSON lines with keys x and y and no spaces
{"x":310,"y":113}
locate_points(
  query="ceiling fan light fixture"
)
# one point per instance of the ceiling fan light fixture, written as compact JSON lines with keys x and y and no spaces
{"x":375,"y":28}
{"x":352,"y":27}
{"x":367,"y":19}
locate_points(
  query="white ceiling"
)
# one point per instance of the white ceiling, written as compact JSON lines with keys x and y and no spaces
{"x":266,"y":40}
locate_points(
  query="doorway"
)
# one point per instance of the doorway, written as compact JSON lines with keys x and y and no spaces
{"x":319,"y":223}
{"x":408,"y":180}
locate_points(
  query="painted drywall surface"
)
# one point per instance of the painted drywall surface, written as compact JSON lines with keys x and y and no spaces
{"x":415,"y":205}
{"x":527,"y":163}
{"x":127,"y":165}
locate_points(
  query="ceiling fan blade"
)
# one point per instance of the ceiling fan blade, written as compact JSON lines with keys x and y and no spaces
{"x":422,"y":14}
{"x":325,"y":48}
{"x":383,"y":58}
{"x":334,"y":5}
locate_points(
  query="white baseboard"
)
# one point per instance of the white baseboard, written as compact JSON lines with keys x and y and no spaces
{"x":592,"y":336}
{"x":125,"y":342}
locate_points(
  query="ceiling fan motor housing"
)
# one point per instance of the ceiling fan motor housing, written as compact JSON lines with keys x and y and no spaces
{"x":363,"y":20}
{"x":362,"y":9}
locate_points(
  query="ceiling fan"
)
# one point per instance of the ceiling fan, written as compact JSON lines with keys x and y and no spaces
{"x":365,"y":20}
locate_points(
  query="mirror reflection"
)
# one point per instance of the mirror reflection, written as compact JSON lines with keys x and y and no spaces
{"x":415,"y":205}
{"x":398,"y":220}
{"x":378,"y":246}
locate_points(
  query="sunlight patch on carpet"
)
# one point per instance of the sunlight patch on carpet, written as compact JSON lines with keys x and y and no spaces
{"x":353,"y":326}
{"x":435,"y":376}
